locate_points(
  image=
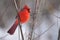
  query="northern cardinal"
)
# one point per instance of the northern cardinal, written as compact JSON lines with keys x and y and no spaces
{"x":24,"y":16}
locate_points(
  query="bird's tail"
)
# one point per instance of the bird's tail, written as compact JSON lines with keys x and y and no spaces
{"x":13,"y":28}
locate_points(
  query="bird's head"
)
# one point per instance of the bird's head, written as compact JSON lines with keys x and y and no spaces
{"x":27,"y":7}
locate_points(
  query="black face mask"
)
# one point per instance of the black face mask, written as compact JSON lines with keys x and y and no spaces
{"x":28,"y":10}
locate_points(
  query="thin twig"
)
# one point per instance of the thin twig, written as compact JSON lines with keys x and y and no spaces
{"x":20,"y":26}
{"x":34,"y":18}
{"x":56,"y":16}
{"x":44,"y":31}
{"x":16,"y":5}
{"x":59,"y":35}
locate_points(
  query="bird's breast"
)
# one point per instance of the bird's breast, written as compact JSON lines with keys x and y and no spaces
{"x":24,"y":16}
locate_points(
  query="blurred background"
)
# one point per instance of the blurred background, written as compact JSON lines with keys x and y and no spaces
{"x":44,"y":20}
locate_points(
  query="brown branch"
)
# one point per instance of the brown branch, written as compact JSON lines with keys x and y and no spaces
{"x":20,"y":26}
{"x":44,"y":31}
{"x":59,"y":35}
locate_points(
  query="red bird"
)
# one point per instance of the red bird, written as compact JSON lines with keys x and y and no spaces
{"x":24,"y":16}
